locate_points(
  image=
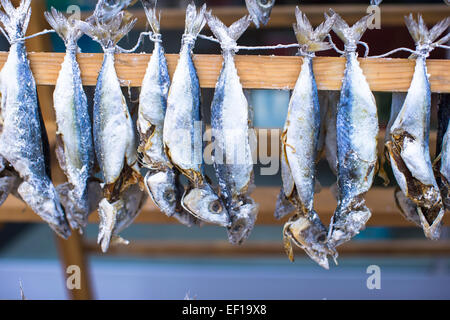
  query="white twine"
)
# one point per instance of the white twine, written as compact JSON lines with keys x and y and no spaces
{"x":237,"y":48}
{"x":334,"y":46}
{"x":141,"y":37}
{"x":29,"y":37}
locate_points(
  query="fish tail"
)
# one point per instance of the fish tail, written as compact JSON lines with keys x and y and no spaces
{"x":15,"y":20}
{"x":420,"y":33}
{"x":152,"y":18}
{"x":349,"y":35}
{"x":195,"y":20}
{"x":66,"y":28}
{"x":108,"y":32}
{"x":307,"y":37}
{"x":227,"y":34}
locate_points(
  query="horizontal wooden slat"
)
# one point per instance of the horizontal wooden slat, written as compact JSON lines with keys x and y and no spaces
{"x":379,"y":200}
{"x":218,"y":248}
{"x":283,"y":15}
{"x":256,"y":72}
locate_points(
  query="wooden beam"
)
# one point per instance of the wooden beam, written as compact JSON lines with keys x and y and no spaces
{"x":256,"y":72}
{"x":379,"y":200}
{"x":283,"y":15}
{"x":72,"y":253}
{"x":220,"y":248}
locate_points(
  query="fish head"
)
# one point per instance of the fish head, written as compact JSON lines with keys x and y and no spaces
{"x":162,"y":189}
{"x":242,"y":223}
{"x":204,"y":203}
{"x":310,"y":235}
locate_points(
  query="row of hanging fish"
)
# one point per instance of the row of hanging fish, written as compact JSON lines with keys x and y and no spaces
{"x":114,"y":171}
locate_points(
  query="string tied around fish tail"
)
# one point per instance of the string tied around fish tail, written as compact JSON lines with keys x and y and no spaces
{"x":72,"y":46}
{"x":188,"y":39}
{"x":16,"y":40}
{"x":304,"y":53}
{"x":138,"y":44}
{"x":156,"y":37}
{"x":110,"y":50}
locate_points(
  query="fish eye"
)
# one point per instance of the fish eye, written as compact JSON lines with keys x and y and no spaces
{"x":215,"y":206}
{"x":169,"y":195}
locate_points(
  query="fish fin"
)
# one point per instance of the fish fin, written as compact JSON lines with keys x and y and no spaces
{"x":309,"y":38}
{"x":64,"y":27}
{"x":346,"y":33}
{"x":152,"y":18}
{"x":375,"y":2}
{"x":283,"y":206}
{"x":195,"y":20}
{"x":15,"y":18}
{"x":108,"y":33}
{"x":439,"y":28}
{"x":227,"y":35}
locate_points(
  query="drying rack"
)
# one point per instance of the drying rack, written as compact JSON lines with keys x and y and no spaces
{"x":256,"y":72}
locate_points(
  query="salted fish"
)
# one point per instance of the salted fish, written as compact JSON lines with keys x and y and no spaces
{"x":409,"y":135}
{"x":114,"y":137}
{"x":23,"y":140}
{"x":232,"y":154}
{"x":182,"y":133}
{"x":300,"y":143}
{"x":356,"y":134}
{"x":75,"y":147}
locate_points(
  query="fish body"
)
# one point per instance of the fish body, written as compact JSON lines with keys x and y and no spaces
{"x":356,"y":134}
{"x":23,"y":141}
{"x":114,"y":138}
{"x":161,"y":180}
{"x":182,"y":134}
{"x":75,"y":148}
{"x":230,"y":112}
{"x":260,"y":10}
{"x":409,"y":137}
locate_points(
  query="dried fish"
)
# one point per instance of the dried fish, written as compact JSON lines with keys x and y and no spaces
{"x":23,"y":141}
{"x":409,"y":135}
{"x":108,"y":9}
{"x":357,"y":130}
{"x":182,"y":132}
{"x":114,"y":137}
{"x":260,"y":10}
{"x":161,"y":179}
{"x":75,"y":148}
{"x":232,"y":155}
{"x":300,"y":142}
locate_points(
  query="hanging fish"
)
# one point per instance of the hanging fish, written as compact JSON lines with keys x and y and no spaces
{"x":161,"y":179}
{"x":356,"y":136}
{"x":260,"y":10}
{"x":182,"y":132}
{"x":409,"y":135}
{"x":75,"y":148}
{"x":300,"y":142}
{"x":442,"y":163}
{"x":23,"y":141}
{"x":114,"y":137}
{"x":232,"y":156}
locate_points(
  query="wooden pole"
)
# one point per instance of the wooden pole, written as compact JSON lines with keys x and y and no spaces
{"x":72,"y":253}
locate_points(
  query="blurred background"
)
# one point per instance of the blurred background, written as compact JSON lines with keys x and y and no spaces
{"x":169,"y":261}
